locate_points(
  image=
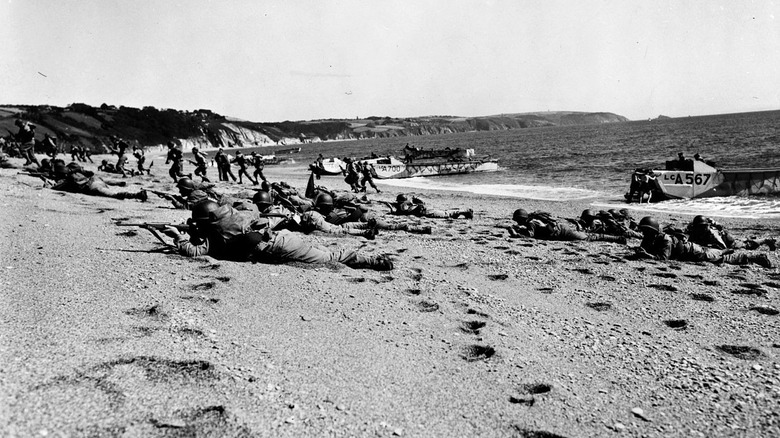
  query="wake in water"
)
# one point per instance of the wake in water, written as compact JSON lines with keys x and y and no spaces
{"x":751,"y":207}
{"x":542,"y":193}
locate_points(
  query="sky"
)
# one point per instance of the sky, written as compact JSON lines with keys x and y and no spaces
{"x":270,"y":61}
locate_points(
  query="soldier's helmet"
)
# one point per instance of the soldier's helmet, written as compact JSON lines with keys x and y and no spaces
{"x":60,"y":170}
{"x":203,"y":211}
{"x":700,"y":220}
{"x":520,"y":215}
{"x":194,"y":149}
{"x":401,"y":198}
{"x":649,"y":223}
{"x":171,"y":144}
{"x":186,"y":184}
{"x":615,"y":213}
{"x":262,"y":200}
{"x":323,"y":200}
{"x":18,"y":122}
{"x":588,"y":214}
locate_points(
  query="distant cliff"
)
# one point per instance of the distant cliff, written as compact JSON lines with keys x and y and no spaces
{"x":148,"y":126}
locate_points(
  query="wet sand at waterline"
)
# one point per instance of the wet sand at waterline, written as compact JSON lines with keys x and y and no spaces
{"x":472,"y":333}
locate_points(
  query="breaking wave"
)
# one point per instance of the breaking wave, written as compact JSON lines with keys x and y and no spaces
{"x":542,"y":193}
{"x":752,"y":207}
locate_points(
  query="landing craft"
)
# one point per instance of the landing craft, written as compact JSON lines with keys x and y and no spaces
{"x":698,"y":179}
{"x":430,"y":162}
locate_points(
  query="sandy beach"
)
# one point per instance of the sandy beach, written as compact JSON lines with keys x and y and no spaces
{"x":103,"y":334}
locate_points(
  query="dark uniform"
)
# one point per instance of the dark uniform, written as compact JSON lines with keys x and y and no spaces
{"x":659,"y":245}
{"x":76,"y":180}
{"x":26,"y":139}
{"x":175,"y":157}
{"x":229,"y":235}
{"x":416,"y":207}
{"x":242,"y":168}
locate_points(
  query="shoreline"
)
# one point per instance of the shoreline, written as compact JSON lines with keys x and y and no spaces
{"x":472,"y":333}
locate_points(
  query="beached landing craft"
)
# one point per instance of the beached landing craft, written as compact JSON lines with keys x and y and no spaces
{"x":697,"y":179}
{"x":419,"y":162}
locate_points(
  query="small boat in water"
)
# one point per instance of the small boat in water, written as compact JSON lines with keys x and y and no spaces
{"x":686,"y":179}
{"x":288,"y":151}
{"x":330,"y":166}
{"x":420,"y":162}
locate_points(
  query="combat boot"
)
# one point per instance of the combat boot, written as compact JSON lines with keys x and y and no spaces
{"x":382,"y":263}
{"x":418,"y":229}
{"x":468,"y":214}
{"x":761,"y":260}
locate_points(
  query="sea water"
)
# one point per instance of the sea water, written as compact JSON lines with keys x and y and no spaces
{"x":591,"y":162}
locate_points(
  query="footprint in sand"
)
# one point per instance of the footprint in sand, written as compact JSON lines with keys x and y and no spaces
{"x":427,"y":306}
{"x":474,"y":353}
{"x":526,"y":433}
{"x":601,"y":307}
{"x":741,"y":351}
{"x":772,"y":284}
{"x":665,"y":274}
{"x":205,"y":421}
{"x":498,"y":277}
{"x":526,"y":393}
{"x":205,"y":299}
{"x":412,"y":292}
{"x":764,"y":310}
{"x":545,"y":290}
{"x":416,"y":275}
{"x":477,"y":313}
{"x":128,"y":233}
{"x":204,"y":286}
{"x":472,"y":327}
{"x":154,"y":312}
{"x":584,"y":271}
{"x":356,"y":280}
{"x":383,"y":279}
{"x":607,"y":277}
{"x":664,"y":287}
{"x":711,"y":283}
{"x":703,"y":297}
{"x":677,"y":324}
{"x":759,"y":292}
{"x":108,"y":383}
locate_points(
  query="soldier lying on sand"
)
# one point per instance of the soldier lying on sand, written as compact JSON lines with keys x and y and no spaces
{"x":706,"y":232}
{"x":658,"y":245}
{"x":403,"y":206}
{"x":225,"y":233}
{"x":541,"y":225}
{"x":73,"y":178}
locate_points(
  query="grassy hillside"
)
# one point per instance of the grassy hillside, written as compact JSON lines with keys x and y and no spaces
{"x":91,"y":126}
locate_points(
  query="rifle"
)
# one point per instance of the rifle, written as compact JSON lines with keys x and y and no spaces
{"x":166,"y":195}
{"x":42,"y":176}
{"x":154,"y":227}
